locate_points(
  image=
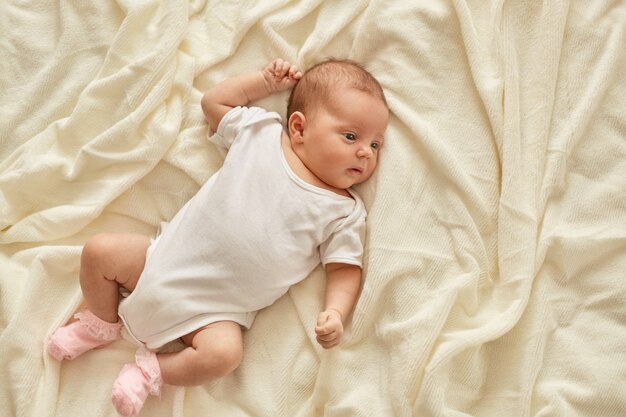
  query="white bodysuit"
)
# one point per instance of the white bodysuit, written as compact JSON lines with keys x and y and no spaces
{"x":253,"y":230}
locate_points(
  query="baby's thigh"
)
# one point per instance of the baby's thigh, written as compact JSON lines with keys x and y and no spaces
{"x":225,"y":330}
{"x":221,"y":339}
{"x":117,"y":256}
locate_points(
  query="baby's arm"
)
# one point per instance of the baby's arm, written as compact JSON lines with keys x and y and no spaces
{"x":278,"y":75}
{"x":343,"y":283}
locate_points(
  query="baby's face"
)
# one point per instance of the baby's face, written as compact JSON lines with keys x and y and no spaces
{"x":345,"y":137}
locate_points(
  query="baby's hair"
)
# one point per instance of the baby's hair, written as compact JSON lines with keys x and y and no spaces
{"x":320,"y":80}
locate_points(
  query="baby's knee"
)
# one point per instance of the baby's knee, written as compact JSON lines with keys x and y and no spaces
{"x":97,"y":247}
{"x":229,"y":359}
{"x":222,"y":360}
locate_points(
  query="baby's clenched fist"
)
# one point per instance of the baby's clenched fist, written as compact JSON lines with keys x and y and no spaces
{"x":280,"y":75}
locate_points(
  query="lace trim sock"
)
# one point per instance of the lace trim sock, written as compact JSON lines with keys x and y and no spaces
{"x":134,"y":383}
{"x":87,"y":333}
{"x":147,"y":361}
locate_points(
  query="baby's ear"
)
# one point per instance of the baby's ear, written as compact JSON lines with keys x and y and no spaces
{"x":296,"y":125}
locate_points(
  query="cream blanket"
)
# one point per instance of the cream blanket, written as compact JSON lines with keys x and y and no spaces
{"x":496,"y":250}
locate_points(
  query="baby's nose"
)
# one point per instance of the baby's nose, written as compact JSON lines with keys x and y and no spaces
{"x":364,"y":152}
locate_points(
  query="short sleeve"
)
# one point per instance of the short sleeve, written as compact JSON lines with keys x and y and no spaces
{"x":238,"y":118}
{"x":345,"y":245}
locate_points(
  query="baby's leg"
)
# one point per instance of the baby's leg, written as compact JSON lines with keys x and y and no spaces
{"x":108,"y":261}
{"x":214,"y":351}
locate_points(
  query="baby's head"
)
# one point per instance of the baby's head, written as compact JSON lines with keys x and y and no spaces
{"x":337,"y":116}
{"x":318,"y":84}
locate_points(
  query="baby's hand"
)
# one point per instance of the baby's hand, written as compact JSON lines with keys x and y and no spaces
{"x":329,"y":329}
{"x":280,"y":75}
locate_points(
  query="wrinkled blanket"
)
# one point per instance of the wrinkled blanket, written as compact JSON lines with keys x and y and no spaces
{"x":495,"y":269}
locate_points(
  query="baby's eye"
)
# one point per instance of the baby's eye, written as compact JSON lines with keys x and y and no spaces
{"x":350,"y":136}
{"x":375,"y":145}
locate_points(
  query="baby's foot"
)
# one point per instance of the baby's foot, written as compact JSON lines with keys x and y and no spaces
{"x":130,"y":390}
{"x":87,"y":333}
{"x":135,"y":382}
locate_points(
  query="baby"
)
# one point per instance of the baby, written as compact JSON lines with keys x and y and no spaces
{"x":281,"y":204}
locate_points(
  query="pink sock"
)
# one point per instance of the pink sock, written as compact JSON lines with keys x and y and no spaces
{"x":87,"y":333}
{"x":135,"y":381}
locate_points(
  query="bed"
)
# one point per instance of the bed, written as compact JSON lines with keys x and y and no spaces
{"x":494,"y":279}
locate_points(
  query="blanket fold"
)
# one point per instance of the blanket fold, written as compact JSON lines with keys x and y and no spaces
{"x":120,"y":126}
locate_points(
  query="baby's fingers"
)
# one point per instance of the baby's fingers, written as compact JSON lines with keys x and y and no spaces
{"x":327,"y":337}
{"x":280,"y":68}
{"x":323,"y":330}
{"x":294,"y":73}
{"x":329,"y":342}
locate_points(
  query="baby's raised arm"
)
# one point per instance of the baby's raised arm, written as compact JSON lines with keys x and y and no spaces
{"x":278,"y":75}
